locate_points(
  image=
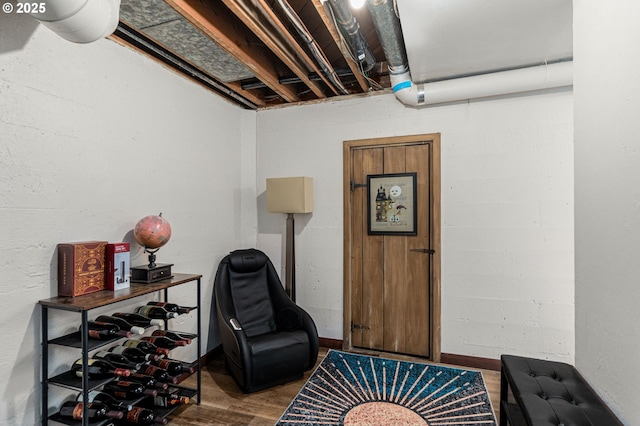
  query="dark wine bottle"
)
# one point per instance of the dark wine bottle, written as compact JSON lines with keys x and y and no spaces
{"x":137,"y":319}
{"x":99,"y":369}
{"x":104,"y":330}
{"x":95,"y":411}
{"x":164,"y":342}
{"x":134,"y":354}
{"x":144,"y":346}
{"x":147,"y":381}
{"x":173,"y":367}
{"x":124,"y":389}
{"x":118,"y":360}
{"x":155,"y":312}
{"x":106,"y":399}
{"x":170,"y":398}
{"x":122,"y":323}
{"x":144,"y":416}
{"x":160,"y":374}
{"x":171,"y":307}
{"x":172,"y":335}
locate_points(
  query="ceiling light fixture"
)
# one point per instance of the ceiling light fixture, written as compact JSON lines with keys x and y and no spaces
{"x":356,"y":4}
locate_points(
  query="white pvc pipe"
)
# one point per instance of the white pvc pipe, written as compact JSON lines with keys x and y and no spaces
{"x":479,"y":86}
{"x":81,"y":21}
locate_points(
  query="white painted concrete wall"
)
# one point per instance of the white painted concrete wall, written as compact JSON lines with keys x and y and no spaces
{"x":93,"y":138}
{"x":507,"y":213}
{"x":607,"y":192}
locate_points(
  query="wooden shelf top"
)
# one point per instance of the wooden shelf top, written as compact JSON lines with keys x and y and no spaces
{"x":106,"y":297}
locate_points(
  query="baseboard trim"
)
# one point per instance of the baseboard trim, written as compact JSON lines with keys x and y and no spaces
{"x":471,"y":361}
{"x":330,"y":343}
{"x":460,"y":360}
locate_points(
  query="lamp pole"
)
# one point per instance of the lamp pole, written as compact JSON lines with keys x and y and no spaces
{"x":290,"y":260}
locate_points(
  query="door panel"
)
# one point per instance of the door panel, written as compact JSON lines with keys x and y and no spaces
{"x":418,"y":262}
{"x":368,"y":271}
{"x":389,"y":299}
{"x":395,"y":269}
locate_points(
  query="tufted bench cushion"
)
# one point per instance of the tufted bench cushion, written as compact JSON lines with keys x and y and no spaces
{"x":537,"y":392}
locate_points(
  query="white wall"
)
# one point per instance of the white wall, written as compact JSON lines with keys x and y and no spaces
{"x":607,"y":190}
{"x":507,"y":213}
{"x":93,"y":138}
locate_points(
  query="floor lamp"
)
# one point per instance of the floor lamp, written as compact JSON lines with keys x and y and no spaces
{"x":290,"y":195}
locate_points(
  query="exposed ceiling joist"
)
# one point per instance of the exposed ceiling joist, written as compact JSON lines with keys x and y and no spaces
{"x":218,"y":24}
{"x":260,"y":53}
{"x":263,"y":22}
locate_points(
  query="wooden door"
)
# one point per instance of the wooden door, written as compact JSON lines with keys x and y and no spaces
{"x":392,"y":296}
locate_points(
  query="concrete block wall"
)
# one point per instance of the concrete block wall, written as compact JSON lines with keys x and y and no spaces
{"x":92,"y":138}
{"x":607,"y":162}
{"x":507,"y":213}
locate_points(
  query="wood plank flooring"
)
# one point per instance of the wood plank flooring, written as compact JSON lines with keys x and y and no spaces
{"x":223,"y":403}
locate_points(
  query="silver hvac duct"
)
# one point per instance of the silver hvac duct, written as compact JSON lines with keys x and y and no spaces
{"x":357,"y":43}
{"x":389,"y":31}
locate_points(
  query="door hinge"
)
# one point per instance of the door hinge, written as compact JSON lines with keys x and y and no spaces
{"x":356,"y":185}
{"x":424,"y":250}
{"x":359,"y":327}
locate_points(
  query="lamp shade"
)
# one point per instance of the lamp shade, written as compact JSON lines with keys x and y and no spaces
{"x":290,"y":195}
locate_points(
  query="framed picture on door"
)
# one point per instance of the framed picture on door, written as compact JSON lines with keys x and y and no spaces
{"x":391,"y":204}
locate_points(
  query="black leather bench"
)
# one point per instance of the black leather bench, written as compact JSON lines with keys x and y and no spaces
{"x":537,"y":392}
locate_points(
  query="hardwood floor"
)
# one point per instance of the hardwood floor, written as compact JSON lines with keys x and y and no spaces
{"x":223,"y":403}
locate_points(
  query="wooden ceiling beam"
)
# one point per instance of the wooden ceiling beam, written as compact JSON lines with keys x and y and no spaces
{"x":261,"y":20}
{"x":218,"y":24}
{"x":355,"y":69}
{"x":300,"y":51}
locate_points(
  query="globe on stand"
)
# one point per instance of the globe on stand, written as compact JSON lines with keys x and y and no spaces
{"x":151,"y":232}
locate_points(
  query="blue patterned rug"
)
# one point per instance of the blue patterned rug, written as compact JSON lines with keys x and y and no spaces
{"x":349,"y":389}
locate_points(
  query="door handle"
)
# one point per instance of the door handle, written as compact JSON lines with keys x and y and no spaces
{"x":423,"y":250}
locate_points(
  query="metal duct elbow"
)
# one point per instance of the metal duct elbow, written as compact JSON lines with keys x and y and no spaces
{"x":81,"y":21}
{"x":405,"y":90}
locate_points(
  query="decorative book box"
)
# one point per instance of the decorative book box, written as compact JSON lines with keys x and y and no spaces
{"x":118,"y":265}
{"x":81,"y":267}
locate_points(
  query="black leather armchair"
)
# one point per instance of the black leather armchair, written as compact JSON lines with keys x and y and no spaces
{"x":267,"y":338}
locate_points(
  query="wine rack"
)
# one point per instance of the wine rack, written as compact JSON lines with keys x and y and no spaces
{"x":80,"y":339}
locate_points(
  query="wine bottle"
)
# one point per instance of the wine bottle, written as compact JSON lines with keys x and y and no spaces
{"x":95,"y":411}
{"x":170,"y":398}
{"x":147,"y":381}
{"x":134,"y":354}
{"x":118,"y":360}
{"x":106,"y":399}
{"x":104,"y":331}
{"x":137,"y":319}
{"x":171,"y":307}
{"x":173,"y":367}
{"x":99,"y":369}
{"x":160,"y":374}
{"x":144,"y":416}
{"x":164,"y":342}
{"x":155,"y":312}
{"x":122,"y":323}
{"x":172,"y":335}
{"x":124,"y":389}
{"x":144,"y":346}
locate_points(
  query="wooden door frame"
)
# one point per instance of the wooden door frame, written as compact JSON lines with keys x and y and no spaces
{"x":435,"y":179}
